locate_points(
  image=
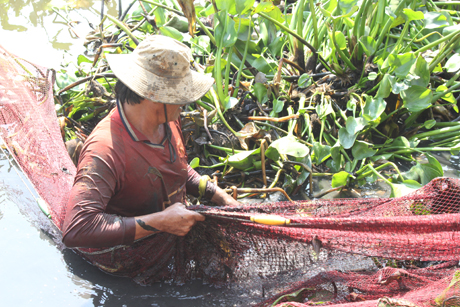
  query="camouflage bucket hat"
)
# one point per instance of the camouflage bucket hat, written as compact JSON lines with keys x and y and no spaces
{"x":159,"y":70}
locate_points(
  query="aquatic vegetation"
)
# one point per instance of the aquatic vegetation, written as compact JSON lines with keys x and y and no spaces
{"x":340,"y":88}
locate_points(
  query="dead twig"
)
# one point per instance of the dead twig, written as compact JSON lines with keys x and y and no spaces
{"x":83,"y":80}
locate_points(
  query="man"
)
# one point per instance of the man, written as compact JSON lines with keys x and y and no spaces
{"x":133,"y":173}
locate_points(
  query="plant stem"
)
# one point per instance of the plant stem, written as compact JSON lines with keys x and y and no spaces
{"x":378,"y":168}
{"x":208,"y":33}
{"x":219,"y":111}
{"x":436,"y":43}
{"x":315,"y":26}
{"x":240,"y":70}
{"x":279,"y":24}
{"x":124,"y":28}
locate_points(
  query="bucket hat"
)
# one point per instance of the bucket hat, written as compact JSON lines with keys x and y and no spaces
{"x":159,"y":70}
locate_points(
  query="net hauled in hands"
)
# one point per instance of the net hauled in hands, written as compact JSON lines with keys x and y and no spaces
{"x":344,"y":252}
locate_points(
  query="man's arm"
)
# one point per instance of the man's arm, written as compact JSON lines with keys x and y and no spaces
{"x":175,"y":219}
{"x":86,"y":222}
{"x":213,"y":192}
{"x":221,"y":198}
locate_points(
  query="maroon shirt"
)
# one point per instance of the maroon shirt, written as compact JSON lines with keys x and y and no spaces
{"x":121,"y":175}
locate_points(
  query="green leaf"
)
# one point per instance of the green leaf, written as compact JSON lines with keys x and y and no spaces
{"x":453,"y":64}
{"x":355,"y":125}
{"x":230,"y":34}
{"x":346,"y":6}
{"x":335,"y":152}
{"x":401,"y":189}
{"x":412,"y":15}
{"x":435,"y":20}
{"x":333,"y":166}
{"x":447,"y":97}
{"x":171,"y":32}
{"x":361,"y":150}
{"x":346,"y":139}
{"x":401,"y":63}
{"x":276,"y":46}
{"x":341,"y":40}
{"x":65,"y":79}
{"x":339,"y":179}
{"x":230,"y":102}
{"x":243,"y":5}
{"x":264,"y":65}
{"x":420,"y":69}
{"x":200,"y":45}
{"x":385,"y":87}
{"x":369,"y":45}
{"x":82,"y":59}
{"x":204,"y":13}
{"x":329,"y":6}
{"x":264,"y":7}
{"x":278,"y":105}
{"x":160,"y":16}
{"x":402,"y":142}
{"x":304,"y":81}
{"x":320,"y":152}
{"x":372,"y":76}
{"x":352,"y":103}
{"x":304,"y":173}
{"x":288,"y":184}
{"x":195,"y":162}
{"x":243,"y":160}
{"x":373,"y":109}
{"x":416,"y":98}
{"x":287,"y":145}
{"x":428,"y":124}
{"x":428,"y":171}
{"x":398,"y":86}
{"x":397,"y":21}
{"x":324,"y":109}
{"x":260,"y":91}
{"x":225,"y":5}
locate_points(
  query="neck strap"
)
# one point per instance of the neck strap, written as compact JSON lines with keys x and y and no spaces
{"x":172,"y":151}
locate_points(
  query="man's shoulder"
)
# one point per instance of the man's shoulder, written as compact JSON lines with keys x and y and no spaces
{"x":108,"y":132}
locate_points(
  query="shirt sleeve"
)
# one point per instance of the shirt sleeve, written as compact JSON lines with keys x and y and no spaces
{"x":86,"y":222}
{"x":193,"y":182}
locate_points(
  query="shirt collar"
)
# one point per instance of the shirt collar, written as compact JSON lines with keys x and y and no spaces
{"x":135,"y":134}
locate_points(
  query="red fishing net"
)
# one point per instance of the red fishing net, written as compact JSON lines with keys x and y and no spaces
{"x":347,"y":252}
{"x":29,"y":128}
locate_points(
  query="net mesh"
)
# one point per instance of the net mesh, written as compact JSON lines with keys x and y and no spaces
{"x":347,"y":252}
{"x":29,"y":128}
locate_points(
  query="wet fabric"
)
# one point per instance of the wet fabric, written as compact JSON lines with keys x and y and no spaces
{"x":121,"y":175}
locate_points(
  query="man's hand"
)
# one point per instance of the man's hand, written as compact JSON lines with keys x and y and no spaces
{"x":223,"y":199}
{"x":175,"y":219}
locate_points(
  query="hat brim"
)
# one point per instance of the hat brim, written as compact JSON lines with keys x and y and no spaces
{"x":150,"y":86}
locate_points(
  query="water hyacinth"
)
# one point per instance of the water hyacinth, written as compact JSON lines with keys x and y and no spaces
{"x":341,"y":88}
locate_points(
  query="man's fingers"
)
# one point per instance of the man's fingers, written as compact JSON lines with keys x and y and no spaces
{"x":199,"y":217}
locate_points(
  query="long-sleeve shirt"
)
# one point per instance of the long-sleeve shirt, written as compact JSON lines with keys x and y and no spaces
{"x":121,"y":175}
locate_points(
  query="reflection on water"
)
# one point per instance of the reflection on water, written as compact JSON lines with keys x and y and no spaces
{"x":33,"y":30}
